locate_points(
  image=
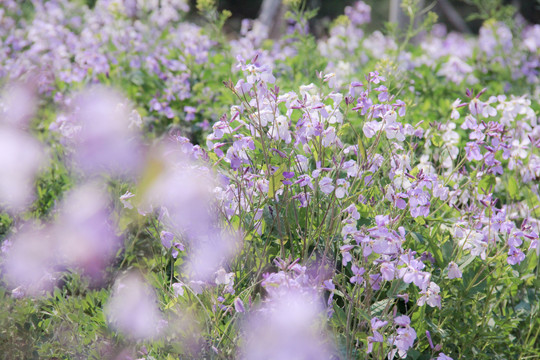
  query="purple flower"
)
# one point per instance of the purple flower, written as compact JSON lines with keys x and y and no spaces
{"x":239,"y":305}
{"x":304,"y":180}
{"x":190,"y":113}
{"x":370,"y":128}
{"x":21,"y":157}
{"x":377,"y":337}
{"x":105,"y":142}
{"x":345,"y":253}
{"x":430,"y":296}
{"x":17,"y":105}
{"x":286,"y":326}
{"x":453,"y":271}
{"x":325,"y":184}
{"x":132,"y":308}
{"x":402,"y":320}
{"x":85,"y":211}
{"x":359,"y":13}
{"x":376,"y":323}
{"x":515,"y":256}
{"x":29,"y":265}
{"x":473,"y":151}
{"x":178,"y":289}
{"x":166,"y":239}
{"x":288,"y":175}
{"x":442,"y":356}
{"x":388,"y":271}
{"x":358,"y":277}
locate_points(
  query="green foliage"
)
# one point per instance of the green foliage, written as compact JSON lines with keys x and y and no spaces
{"x":493,"y":312}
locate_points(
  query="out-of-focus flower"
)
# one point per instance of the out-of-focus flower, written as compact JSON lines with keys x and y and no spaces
{"x":21,"y":157}
{"x":17,"y":105}
{"x":185,"y":188}
{"x":85,"y":236}
{"x":359,"y":13}
{"x":443,"y":356}
{"x":223,"y":278}
{"x":178,"y":289}
{"x":239,"y":305}
{"x":124,"y":199}
{"x":132,"y":309}
{"x":105,"y":142}
{"x":286,"y":327}
{"x":31,"y":265}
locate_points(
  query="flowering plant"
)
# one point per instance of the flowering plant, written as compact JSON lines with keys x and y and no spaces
{"x":167,"y":192}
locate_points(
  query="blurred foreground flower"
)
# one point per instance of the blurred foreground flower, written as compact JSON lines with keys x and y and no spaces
{"x":184,"y":189}
{"x":21,"y":157}
{"x":133,"y":310}
{"x":82,"y":239}
{"x":290,"y":322}
{"x":17,"y":105}
{"x":287,"y":327}
{"x":102,"y":135}
{"x":84,"y":233}
{"x":31,"y":262}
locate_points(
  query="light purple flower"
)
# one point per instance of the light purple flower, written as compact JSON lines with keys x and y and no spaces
{"x":287,"y":326}
{"x":124,"y":199}
{"x":325,"y":184}
{"x":430,"y":296}
{"x":388,"y":270}
{"x":239,"y":305}
{"x":31,"y":261}
{"x":190,"y":113}
{"x":105,"y":142}
{"x":371,"y":128}
{"x":17,"y":105}
{"x":515,"y":256}
{"x":21,"y":157}
{"x":133,"y":310}
{"x":166,"y":239}
{"x":86,"y":238}
{"x":453,"y":271}
{"x":442,"y":356}
{"x":473,"y":151}
{"x":178,"y":289}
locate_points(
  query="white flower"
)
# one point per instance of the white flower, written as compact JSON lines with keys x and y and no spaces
{"x":223,"y":278}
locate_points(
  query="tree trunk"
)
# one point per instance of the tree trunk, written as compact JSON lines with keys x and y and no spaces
{"x":271,"y":15}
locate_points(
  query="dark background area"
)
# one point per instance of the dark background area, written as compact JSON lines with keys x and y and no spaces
{"x":329,"y":9}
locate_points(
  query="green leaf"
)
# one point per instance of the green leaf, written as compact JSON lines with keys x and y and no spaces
{"x":379,"y":306}
{"x":512,"y":187}
{"x":447,"y":250}
{"x":437,"y":253}
{"x":437,"y":141}
{"x":362,"y":149}
{"x":275,"y":181}
{"x":486,"y":184}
